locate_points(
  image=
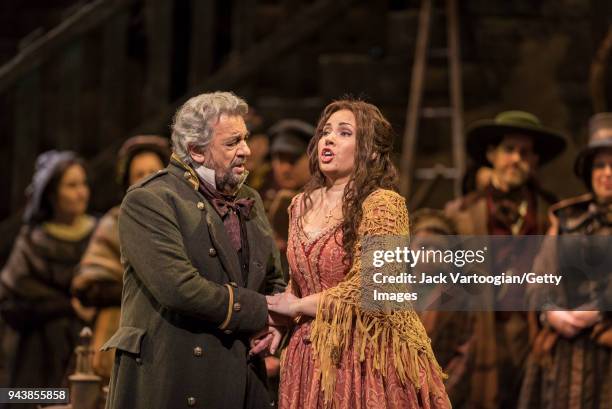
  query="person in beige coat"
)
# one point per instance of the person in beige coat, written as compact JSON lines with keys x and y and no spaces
{"x":99,"y":279}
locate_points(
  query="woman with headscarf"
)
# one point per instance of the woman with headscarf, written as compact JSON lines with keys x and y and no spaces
{"x":99,"y":279}
{"x":42,"y":320}
{"x":343,"y":354}
{"x":570,"y":364}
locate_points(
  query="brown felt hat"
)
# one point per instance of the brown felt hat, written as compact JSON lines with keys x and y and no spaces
{"x":547,"y":143}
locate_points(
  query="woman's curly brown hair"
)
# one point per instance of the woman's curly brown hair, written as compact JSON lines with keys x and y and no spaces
{"x":373,"y":169}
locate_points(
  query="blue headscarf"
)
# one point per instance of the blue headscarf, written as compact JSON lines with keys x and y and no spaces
{"x":47,"y":165}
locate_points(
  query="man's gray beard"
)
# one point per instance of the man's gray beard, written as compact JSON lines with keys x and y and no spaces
{"x":227,"y":182}
{"x":230,"y":183}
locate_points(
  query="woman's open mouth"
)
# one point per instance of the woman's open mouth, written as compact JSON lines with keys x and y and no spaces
{"x":327,"y":155}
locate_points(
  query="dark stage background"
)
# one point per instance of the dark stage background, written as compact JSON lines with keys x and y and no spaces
{"x":84,"y":75}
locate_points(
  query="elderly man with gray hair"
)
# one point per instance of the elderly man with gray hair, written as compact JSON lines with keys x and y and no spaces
{"x":199,"y":258}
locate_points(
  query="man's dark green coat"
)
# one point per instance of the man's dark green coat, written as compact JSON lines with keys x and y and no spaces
{"x":187,"y":313}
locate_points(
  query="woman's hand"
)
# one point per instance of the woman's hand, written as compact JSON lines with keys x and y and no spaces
{"x":284,"y":303}
{"x":586,"y":319}
{"x":266,"y":340}
{"x":564,"y":322}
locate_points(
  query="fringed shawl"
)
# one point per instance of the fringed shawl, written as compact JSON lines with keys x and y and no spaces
{"x":396,"y":335}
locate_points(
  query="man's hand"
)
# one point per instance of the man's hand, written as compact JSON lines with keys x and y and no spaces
{"x":260,"y":341}
{"x":267,"y":339}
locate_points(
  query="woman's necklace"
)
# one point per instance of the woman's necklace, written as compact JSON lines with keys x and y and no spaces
{"x":330,"y":214}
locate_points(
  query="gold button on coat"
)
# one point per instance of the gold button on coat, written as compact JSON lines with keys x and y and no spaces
{"x":187,"y":175}
{"x":200,"y":205}
{"x":227,"y":331}
{"x":212,"y":252}
{"x":191,"y":401}
{"x":197,"y":351}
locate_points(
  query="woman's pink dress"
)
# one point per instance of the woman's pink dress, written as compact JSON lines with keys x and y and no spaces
{"x":316,"y":265}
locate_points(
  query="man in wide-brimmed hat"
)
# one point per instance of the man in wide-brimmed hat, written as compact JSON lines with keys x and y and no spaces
{"x":584,"y":333}
{"x":514,"y":145}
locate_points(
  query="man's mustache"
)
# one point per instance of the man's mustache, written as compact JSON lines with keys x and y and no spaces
{"x":237,"y":162}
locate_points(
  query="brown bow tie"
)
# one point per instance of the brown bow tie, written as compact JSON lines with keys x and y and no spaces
{"x":241,"y":206}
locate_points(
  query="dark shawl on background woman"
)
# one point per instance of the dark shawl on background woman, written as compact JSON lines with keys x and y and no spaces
{"x":41,"y":328}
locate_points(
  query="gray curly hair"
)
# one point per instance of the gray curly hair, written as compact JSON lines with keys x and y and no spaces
{"x":192,"y":124}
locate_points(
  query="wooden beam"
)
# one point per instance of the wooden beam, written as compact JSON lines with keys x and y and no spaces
{"x":26,"y":137}
{"x":67,"y":134}
{"x":113,"y":105}
{"x":599,"y":69}
{"x":50,"y":88}
{"x":159,"y":23}
{"x":424,"y":190}
{"x":414,"y":103}
{"x":41,"y":50}
{"x":201,"y":54}
{"x":242,"y":25}
{"x":90,"y":97}
{"x":456,"y":93}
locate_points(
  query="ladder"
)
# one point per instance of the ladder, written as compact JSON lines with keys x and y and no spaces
{"x":416,"y":111}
